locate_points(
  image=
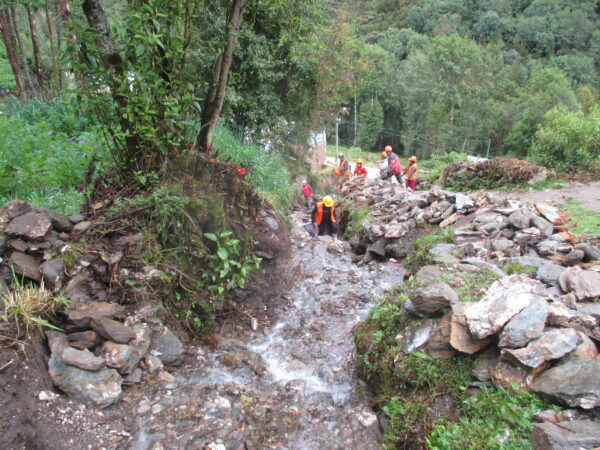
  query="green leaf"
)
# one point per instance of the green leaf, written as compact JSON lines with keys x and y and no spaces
{"x":222,"y":253}
{"x":211,"y":236}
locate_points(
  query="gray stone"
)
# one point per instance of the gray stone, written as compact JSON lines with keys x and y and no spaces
{"x":504,"y":299}
{"x":420,"y":336}
{"x":464,"y":202}
{"x":446,"y":258}
{"x":84,"y":339}
{"x":31,"y":226}
{"x":572,"y":435}
{"x":528,"y":236}
{"x":373,"y":231}
{"x":525,"y":326}
{"x":112,"y":330}
{"x":57,"y":341}
{"x":84,"y":359}
{"x":552,"y":214}
{"x":584,"y":283}
{"x":165,"y":345}
{"x":482,"y":264}
{"x":13,"y":209}
{"x":238,"y":360}
{"x":552,"y":344}
{"x":397,"y":249}
{"x":544,"y":226}
{"x":25,"y":265}
{"x":430,"y":300}
{"x":82,"y":317}
{"x":573,"y":257}
{"x":507,"y":207}
{"x":526,"y":261}
{"x":592,"y":253}
{"x":438,"y":345}
{"x":139,"y":346}
{"x":586,"y":349}
{"x":484,"y":366}
{"x":592,"y":309}
{"x":116,"y":355}
{"x":53,"y":272}
{"x":549,"y":274}
{"x":60,"y":222}
{"x":378,"y":248}
{"x":101,"y":388}
{"x":502,"y":245}
{"x":574,"y":383}
{"x":521,"y":218}
{"x":76,"y":218}
{"x":549,"y":247}
{"x":441,"y":248}
{"x":460,"y":338}
{"x":505,"y":375}
{"x":82,"y":226}
{"x":358,"y":245}
{"x":429,"y":274}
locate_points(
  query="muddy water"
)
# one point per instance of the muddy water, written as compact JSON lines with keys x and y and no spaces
{"x":293,"y":385}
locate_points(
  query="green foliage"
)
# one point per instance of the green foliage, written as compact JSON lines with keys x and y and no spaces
{"x":471,"y":287}
{"x":356,"y":217}
{"x":370,"y":122}
{"x":7,"y":80}
{"x":419,"y":255}
{"x":568,"y":140}
{"x":493,"y":418}
{"x":550,"y":183}
{"x":267,"y":172}
{"x":515,"y":267}
{"x":353,"y":153}
{"x":42,"y":165}
{"x":581,"y":220}
{"x":227,"y":268}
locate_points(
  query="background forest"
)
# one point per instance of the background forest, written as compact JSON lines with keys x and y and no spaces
{"x":430,"y":77}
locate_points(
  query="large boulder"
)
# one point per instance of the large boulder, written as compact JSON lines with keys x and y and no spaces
{"x":165,"y":345}
{"x":549,"y":274}
{"x":575,"y":383}
{"x":31,"y":226}
{"x":460,"y":338}
{"x":552,"y":344}
{"x":432,"y":299}
{"x":84,"y":359}
{"x":101,"y":388}
{"x":504,"y":299}
{"x":521,"y":218}
{"x":585,"y":284}
{"x":525,"y":326}
{"x":112,"y":330}
{"x":60,"y":222}
{"x":25,"y":265}
{"x":82,"y":317}
{"x":572,"y":435}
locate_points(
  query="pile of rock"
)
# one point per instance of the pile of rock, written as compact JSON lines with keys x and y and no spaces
{"x":98,"y":348}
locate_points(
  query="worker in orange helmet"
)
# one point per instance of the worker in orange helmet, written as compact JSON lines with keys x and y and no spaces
{"x":342,"y":171}
{"x":324,"y":217}
{"x":359,"y":169}
{"x":394,"y":166}
{"x":410,"y":173}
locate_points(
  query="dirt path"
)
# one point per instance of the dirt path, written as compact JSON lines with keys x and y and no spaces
{"x":587,"y":193}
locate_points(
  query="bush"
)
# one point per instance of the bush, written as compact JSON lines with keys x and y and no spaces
{"x":568,"y":140}
{"x":438,"y":162}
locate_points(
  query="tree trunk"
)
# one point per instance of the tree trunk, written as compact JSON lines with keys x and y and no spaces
{"x":10,"y":52}
{"x":53,"y":52}
{"x":39,"y":74}
{"x":26,"y":74}
{"x":214,"y":100}
{"x":113,"y":63}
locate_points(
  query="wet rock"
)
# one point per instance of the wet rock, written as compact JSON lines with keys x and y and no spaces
{"x":438,"y":345}
{"x":592,"y":253}
{"x":31,"y":226}
{"x":397,"y":249}
{"x":242,"y":359}
{"x":101,"y":388}
{"x":543,"y":225}
{"x":84,"y":359}
{"x":377,"y":248}
{"x":584,"y":283}
{"x":484,"y":366}
{"x":82,"y":226}
{"x":357,"y":244}
{"x":418,"y":338}
{"x":166,"y":346}
{"x":57,"y":341}
{"x":573,"y":257}
{"x":552,"y":344}
{"x":82,"y":317}
{"x":116,"y":355}
{"x":373,"y":231}
{"x":25,"y":265}
{"x":60,"y":222}
{"x":552,"y":214}
{"x":549,"y":274}
{"x":460,"y":338}
{"x":521,"y":218}
{"x":84,"y":339}
{"x":586,"y":349}
{"x":504,"y":299}
{"x":430,"y":300}
{"x":429,"y":274}
{"x":575,"y":383}
{"x":525,"y":326}
{"x":573,"y":435}
{"x":112,"y":330}
{"x":139,"y":346}
{"x":53,"y":273}
{"x":505,"y":374}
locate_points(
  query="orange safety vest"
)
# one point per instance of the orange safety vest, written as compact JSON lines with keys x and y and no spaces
{"x":319,"y":213}
{"x":411,"y":172}
{"x":344,"y":168}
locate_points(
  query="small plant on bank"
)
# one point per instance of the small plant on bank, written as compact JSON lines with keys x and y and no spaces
{"x":32,"y":306}
{"x":227,"y":268}
{"x":356,"y":217}
{"x":419,"y":255}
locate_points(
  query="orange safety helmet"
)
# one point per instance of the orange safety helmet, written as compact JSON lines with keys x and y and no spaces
{"x":359,"y":161}
{"x":383,"y":154}
{"x":388,"y":148}
{"x":413,"y":158}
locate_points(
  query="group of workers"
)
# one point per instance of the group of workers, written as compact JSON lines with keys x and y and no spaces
{"x":323,"y":214}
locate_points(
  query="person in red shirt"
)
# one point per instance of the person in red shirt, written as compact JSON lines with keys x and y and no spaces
{"x":307,"y":193}
{"x":394,"y":166}
{"x":359,"y":170}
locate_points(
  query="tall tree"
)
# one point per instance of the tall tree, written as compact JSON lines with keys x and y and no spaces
{"x":39,"y":74}
{"x":7,"y":38}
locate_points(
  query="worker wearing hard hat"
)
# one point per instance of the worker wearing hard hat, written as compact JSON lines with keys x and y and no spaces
{"x":410,"y":173}
{"x":342,"y":171}
{"x":359,"y":169}
{"x":394,"y":166}
{"x":324,"y":216}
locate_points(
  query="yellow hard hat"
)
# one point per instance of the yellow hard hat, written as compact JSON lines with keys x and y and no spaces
{"x":328,"y":201}
{"x":359,"y":161}
{"x":413,"y":158}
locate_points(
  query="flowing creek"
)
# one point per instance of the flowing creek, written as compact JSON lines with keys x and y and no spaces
{"x":292,"y":386}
